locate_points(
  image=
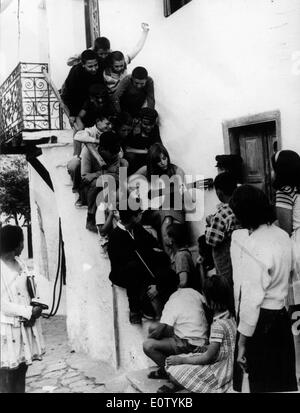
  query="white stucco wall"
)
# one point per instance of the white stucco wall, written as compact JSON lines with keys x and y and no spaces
{"x":44,"y":31}
{"x":66,"y":26}
{"x":23,"y":35}
{"x":45,"y":227}
{"x":88,"y":291}
{"x":212,"y":61}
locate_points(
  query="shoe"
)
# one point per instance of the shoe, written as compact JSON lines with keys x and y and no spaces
{"x":91,"y":227}
{"x":103,"y":252}
{"x":158,"y":374}
{"x":147,"y":309}
{"x":171,"y":388}
{"x":135,"y":318}
{"x":78,"y":203}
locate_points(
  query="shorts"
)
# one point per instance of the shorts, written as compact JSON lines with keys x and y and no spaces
{"x":182,"y":345}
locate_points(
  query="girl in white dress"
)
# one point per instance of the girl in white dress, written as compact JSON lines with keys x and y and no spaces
{"x":20,"y":334}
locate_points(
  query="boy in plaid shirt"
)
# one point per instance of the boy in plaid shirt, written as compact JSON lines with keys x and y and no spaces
{"x":221,"y":225}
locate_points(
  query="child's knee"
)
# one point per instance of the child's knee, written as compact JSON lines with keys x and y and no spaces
{"x":149,"y":346}
{"x":152,"y":327}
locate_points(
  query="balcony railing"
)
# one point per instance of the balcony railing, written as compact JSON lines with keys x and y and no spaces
{"x":27,"y":103}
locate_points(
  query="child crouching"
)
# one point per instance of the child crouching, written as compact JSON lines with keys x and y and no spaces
{"x":211,"y":371}
{"x":183,"y":328}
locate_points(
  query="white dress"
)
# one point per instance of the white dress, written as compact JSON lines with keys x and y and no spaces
{"x":19,"y":344}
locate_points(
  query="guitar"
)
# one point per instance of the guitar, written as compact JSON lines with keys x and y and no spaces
{"x":165,"y":196}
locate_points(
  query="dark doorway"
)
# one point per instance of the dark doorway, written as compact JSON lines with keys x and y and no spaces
{"x":255,"y":142}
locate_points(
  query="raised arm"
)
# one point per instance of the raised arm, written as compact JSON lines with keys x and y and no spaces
{"x":73,"y":60}
{"x":140,"y":43}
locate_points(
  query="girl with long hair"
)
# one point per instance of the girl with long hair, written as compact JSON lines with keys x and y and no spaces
{"x":166,"y":182}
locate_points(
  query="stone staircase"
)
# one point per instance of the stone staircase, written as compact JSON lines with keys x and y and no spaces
{"x":97,"y":313}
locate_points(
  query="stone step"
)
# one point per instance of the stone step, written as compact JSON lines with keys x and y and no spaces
{"x":142,"y":384}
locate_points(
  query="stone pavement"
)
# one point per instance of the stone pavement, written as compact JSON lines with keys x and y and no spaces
{"x":63,"y":370}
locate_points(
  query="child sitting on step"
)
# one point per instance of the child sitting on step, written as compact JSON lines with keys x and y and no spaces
{"x":183,"y":328}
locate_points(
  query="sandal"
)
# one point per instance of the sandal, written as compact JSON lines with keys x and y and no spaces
{"x":172,"y":388}
{"x":135,"y":318}
{"x":158,"y":374}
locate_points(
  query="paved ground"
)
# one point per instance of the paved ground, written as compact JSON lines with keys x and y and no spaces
{"x":65,"y":371}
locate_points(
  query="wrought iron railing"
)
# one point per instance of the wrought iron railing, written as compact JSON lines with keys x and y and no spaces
{"x":27,"y":102}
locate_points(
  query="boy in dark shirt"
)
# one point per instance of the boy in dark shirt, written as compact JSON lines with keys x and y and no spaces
{"x":122,"y":125}
{"x":75,"y":90}
{"x":101,"y":48}
{"x":134,"y":91}
{"x":96,"y":104}
{"x":145,"y":134}
{"x":138,"y":265}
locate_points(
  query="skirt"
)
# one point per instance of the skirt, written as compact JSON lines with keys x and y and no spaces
{"x":270,"y":354}
{"x":20,"y":344}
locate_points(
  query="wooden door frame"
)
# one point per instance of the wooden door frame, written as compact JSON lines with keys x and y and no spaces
{"x":230,"y":146}
{"x":92,"y":21}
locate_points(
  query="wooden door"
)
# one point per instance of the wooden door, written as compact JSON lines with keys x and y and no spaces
{"x":252,"y":152}
{"x":255,"y":143}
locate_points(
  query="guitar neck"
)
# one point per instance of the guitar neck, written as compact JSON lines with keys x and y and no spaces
{"x":200,"y":184}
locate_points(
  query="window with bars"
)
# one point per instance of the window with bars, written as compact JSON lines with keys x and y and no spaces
{"x":170,"y":6}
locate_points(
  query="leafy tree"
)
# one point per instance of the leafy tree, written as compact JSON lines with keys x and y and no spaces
{"x":14,"y":188}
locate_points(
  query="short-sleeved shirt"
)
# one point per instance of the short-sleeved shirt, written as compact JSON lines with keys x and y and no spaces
{"x":185,"y":313}
{"x":289,"y":198}
{"x":222,"y":224}
{"x":182,"y":261}
{"x":112,"y":79}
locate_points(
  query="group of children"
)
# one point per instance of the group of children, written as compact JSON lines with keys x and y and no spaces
{"x":203,"y":336}
{"x":255,"y":280}
{"x":114,"y":121}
